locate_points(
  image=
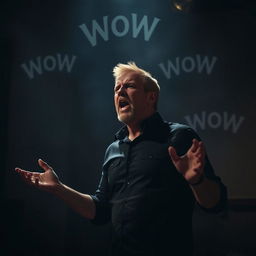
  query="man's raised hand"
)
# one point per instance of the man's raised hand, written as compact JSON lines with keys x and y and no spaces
{"x":47,"y":180}
{"x":190,"y":165}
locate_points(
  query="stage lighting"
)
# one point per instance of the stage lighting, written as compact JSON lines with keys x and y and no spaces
{"x":181,"y":5}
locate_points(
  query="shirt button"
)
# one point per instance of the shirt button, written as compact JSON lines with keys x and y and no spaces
{"x":128,"y":183}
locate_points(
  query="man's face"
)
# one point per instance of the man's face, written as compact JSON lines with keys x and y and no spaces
{"x":132,"y":103}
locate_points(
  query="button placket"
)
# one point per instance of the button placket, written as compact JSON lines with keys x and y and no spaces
{"x":128,"y":164}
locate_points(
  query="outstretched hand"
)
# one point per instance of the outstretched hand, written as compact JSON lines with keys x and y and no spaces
{"x":190,"y":165}
{"x":47,"y":180}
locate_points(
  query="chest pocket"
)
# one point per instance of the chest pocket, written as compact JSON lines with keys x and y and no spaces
{"x":116,"y":173}
{"x":152,"y":164}
{"x":149,"y":154}
{"x":152,"y":156}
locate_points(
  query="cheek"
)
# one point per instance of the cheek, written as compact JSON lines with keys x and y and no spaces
{"x":135,"y":97}
{"x":115,"y":100}
{"x":140,"y":100}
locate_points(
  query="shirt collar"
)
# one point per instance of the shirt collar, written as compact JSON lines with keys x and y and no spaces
{"x":153,"y":126}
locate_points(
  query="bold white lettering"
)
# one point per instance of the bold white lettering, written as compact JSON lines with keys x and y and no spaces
{"x":96,"y":28}
{"x":171,"y":67}
{"x":114,"y":26}
{"x":205,"y":63}
{"x":214,"y":120}
{"x":197,"y":121}
{"x":33,"y":67}
{"x":65,"y":61}
{"x":143,"y":23}
{"x":232,"y":122}
{"x":49,"y":66}
{"x":188,"y":64}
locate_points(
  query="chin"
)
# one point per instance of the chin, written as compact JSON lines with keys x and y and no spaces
{"x":125,"y":118}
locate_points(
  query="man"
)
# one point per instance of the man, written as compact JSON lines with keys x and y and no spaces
{"x":153,"y":173}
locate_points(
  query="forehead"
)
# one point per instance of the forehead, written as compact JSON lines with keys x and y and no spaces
{"x":129,"y":77}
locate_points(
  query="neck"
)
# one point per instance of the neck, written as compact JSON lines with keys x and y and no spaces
{"x":134,"y":131}
{"x":134,"y":128}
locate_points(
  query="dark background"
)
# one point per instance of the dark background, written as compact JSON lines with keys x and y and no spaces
{"x":57,"y":104}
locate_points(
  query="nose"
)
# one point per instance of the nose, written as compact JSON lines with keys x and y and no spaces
{"x":121,"y":91}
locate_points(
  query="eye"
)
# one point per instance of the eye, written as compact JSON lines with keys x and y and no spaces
{"x":116,"y":88}
{"x":129,"y":85}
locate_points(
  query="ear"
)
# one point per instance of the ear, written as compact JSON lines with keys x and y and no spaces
{"x":152,"y":97}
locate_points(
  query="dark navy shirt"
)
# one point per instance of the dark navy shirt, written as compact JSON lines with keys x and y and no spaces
{"x":147,"y":200}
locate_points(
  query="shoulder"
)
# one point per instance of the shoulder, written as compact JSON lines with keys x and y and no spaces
{"x":112,"y":151}
{"x":181,"y":136}
{"x":174,"y":127}
{"x":178,"y":128}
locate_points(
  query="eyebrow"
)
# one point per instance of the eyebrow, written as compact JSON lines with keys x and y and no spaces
{"x":126,"y":82}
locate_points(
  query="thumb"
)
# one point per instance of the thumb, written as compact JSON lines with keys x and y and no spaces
{"x":173,"y":154}
{"x":44,"y":165}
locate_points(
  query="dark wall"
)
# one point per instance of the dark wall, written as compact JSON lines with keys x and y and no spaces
{"x":57,"y":95}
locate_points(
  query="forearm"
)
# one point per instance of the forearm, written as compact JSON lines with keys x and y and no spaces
{"x":207,"y":194}
{"x":79,"y":202}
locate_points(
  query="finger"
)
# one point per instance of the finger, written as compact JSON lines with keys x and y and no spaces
{"x":200,"y":153}
{"x":199,"y":149}
{"x":27,"y":177}
{"x":30,"y":178}
{"x":199,"y":157}
{"x":22,"y":172}
{"x":199,"y":165}
{"x":199,"y":170}
{"x":35,"y":180}
{"x":19,"y":170}
{"x":194,"y":145}
{"x":44,"y":165}
{"x":173,"y":154}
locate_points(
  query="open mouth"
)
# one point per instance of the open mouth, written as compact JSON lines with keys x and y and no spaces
{"x":123,"y":104}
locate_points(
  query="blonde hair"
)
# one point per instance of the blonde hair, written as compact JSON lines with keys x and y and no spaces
{"x":150,"y":83}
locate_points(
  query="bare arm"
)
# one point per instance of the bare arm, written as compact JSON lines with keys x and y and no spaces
{"x":49,"y":181}
{"x":79,"y":202}
{"x":206,"y":193}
